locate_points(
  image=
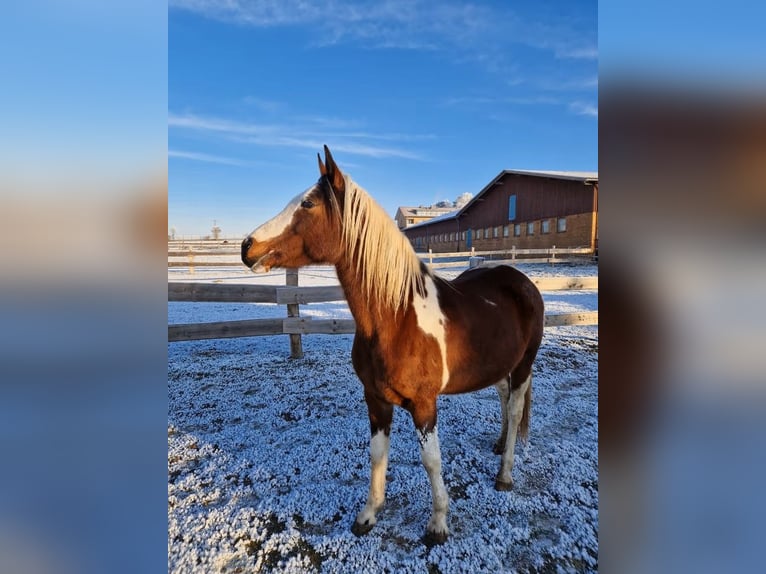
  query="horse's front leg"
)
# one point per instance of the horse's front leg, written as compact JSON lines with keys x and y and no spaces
{"x":381,"y":414}
{"x":424,"y":417}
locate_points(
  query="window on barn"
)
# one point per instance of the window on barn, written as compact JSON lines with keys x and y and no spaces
{"x":545,"y":226}
{"x":531,"y":228}
{"x":517,"y":230}
{"x":512,"y":208}
{"x":488,"y":233}
{"x":462,"y":235}
{"x":505,"y":231}
{"x":496,"y":232}
{"x":561,"y":224}
{"x":478,"y":233}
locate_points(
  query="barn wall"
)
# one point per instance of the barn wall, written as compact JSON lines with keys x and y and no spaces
{"x":577,"y":234}
{"x":537,"y":199}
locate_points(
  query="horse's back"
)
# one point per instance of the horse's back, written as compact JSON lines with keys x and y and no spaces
{"x":509,"y":283}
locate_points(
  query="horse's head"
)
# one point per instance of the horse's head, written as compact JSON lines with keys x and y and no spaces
{"x":306,"y":231}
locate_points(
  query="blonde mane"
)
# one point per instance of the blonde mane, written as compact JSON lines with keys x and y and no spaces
{"x":381,"y":255}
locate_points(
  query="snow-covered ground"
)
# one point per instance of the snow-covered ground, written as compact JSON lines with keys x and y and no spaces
{"x":268,"y":458}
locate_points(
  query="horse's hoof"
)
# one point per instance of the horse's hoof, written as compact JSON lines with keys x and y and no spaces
{"x":359,"y":529}
{"x":435,"y":538}
{"x":501,"y":485}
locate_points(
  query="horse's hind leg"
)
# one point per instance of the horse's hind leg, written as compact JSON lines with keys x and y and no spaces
{"x":381,"y":414}
{"x":518,"y":416}
{"x":503,"y":388}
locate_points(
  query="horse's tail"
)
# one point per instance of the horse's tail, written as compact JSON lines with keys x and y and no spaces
{"x":524,"y":424}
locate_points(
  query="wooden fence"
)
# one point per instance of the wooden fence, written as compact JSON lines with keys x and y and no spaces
{"x":209,"y":254}
{"x":293,"y":296}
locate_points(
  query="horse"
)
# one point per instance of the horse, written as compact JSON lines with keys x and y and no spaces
{"x":417,"y":334}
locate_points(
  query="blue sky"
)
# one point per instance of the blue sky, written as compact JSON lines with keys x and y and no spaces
{"x":419,"y":101}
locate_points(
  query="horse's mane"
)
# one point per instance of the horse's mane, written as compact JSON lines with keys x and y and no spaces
{"x":382,"y":256}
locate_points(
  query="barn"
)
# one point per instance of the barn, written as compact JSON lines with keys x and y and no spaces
{"x":522,"y":208}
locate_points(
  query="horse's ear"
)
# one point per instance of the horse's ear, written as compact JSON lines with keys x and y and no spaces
{"x":322,"y":168}
{"x":333,"y":172}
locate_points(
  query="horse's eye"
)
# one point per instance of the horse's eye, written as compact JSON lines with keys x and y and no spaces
{"x":307,"y":204}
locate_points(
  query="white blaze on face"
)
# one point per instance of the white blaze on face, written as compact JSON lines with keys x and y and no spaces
{"x":275,"y":226}
{"x":432,"y":321}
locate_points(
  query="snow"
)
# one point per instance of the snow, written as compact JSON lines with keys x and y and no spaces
{"x":268,"y":457}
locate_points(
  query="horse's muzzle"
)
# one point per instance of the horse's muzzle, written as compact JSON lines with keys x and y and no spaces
{"x":246,"y":244}
{"x":254,"y":257}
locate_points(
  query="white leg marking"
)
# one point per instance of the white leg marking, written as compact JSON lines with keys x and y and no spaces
{"x":432,"y":461}
{"x":515,"y":412}
{"x":277,"y":224}
{"x":379,"y":444}
{"x":432,"y":321}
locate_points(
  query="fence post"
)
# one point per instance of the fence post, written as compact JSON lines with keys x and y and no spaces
{"x":513,"y":253}
{"x":553,"y":255}
{"x":430,"y":256}
{"x":293,"y":310}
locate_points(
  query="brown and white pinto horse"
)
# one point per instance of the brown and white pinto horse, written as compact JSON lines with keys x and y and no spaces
{"x":417,"y":335}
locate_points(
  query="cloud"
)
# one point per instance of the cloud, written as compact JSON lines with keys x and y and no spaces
{"x":207,"y":158}
{"x":313,"y":132}
{"x":581,"y":84}
{"x":475,"y":101}
{"x":268,"y":106}
{"x":584,"y":109}
{"x":479,"y":33}
{"x":588,"y":53}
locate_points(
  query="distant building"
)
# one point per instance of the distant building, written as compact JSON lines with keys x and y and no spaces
{"x":406,"y":216}
{"x":523,"y":208}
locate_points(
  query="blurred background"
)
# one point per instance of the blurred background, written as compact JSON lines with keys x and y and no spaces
{"x":83,"y":177}
{"x":682,"y":153}
{"x":83,"y":188}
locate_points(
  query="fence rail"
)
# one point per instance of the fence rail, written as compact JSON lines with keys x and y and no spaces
{"x":202,"y":255}
{"x":294,"y":296}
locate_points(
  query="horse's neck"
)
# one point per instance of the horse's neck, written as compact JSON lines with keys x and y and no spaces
{"x":367,"y":310}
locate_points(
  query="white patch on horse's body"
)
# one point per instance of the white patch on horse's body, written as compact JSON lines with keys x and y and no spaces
{"x":277,"y":224}
{"x":488,"y":302}
{"x":432,"y":321}
{"x":432,"y":461}
{"x":379,"y":444}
